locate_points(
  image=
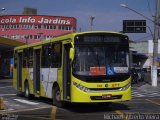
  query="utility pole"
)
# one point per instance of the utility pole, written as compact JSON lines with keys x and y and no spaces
{"x":155,"y":44}
{"x":92,"y":18}
{"x":155,"y":39}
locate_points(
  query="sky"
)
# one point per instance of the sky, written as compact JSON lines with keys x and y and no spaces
{"x":109,"y":15}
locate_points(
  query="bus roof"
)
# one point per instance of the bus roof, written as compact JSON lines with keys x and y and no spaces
{"x":64,"y":37}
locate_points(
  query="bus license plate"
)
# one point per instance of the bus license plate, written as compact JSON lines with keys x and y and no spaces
{"x":106,"y":96}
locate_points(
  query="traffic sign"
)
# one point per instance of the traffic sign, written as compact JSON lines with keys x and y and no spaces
{"x":134,"y":26}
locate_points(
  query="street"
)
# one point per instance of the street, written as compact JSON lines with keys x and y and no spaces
{"x":145,"y":104}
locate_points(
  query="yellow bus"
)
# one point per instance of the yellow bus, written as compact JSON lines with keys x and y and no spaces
{"x":84,"y":67}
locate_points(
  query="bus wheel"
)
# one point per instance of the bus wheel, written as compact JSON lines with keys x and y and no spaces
{"x":26,"y":91}
{"x":57,"y":97}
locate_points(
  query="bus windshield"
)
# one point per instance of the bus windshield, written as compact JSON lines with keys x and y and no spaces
{"x":100,"y":60}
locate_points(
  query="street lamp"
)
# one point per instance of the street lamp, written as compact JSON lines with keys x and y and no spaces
{"x":125,"y":6}
{"x":155,"y":40}
{"x":1,"y":10}
{"x":91,"y":22}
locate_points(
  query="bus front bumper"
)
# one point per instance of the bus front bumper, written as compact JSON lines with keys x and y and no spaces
{"x":79,"y":96}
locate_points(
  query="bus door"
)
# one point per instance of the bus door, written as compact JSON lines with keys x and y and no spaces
{"x":36,"y":71}
{"x":66,"y":72}
{"x":19,"y":71}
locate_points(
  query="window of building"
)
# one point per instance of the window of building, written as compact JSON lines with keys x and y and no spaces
{"x":46,"y":26}
{"x":64,"y":27}
{"x":3,"y":26}
{"x":68,"y":27}
{"x":27,"y":26}
{"x":11,"y":26}
{"x":60,"y":27}
{"x":30,"y":36}
{"x":50,"y":27}
{"x":14,"y":26}
{"x":7,"y":26}
{"x":35,"y":36}
{"x":37,"y":26}
{"x":22,"y":36}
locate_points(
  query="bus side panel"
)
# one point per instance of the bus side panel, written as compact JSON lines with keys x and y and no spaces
{"x":27,"y":75}
{"x":48,"y":77}
{"x":15,"y":78}
{"x":19,"y":71}
{"x":30,"y":79}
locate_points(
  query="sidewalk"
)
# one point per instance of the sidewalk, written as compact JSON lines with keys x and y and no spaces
{"x":6,"y":82}
{"x":148,"y":83}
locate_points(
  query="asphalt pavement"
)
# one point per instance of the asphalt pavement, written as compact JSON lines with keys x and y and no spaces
{"x":145,"y":102}
{"x":148,"y":83}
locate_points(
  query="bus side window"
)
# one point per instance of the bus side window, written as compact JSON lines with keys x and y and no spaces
{"x":30,"y":61}
{"x":56,"y":55}
{"x":25,"y":58}
{"x":15,"y":60}
{"x":45,"y":56}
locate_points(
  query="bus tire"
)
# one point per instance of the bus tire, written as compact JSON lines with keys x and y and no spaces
{"x":56,"y":97}
{"x":26,"y":91}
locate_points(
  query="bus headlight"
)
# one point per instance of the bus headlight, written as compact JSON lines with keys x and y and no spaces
{"x":125,"y":87}
{"x":85,"y":89}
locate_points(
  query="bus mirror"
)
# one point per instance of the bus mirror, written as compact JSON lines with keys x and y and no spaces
{"x":71,"y":53}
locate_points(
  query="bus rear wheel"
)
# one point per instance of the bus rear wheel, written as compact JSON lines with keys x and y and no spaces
{"x":57,"y":97}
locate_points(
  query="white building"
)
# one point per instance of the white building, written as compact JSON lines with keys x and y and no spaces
{"x":146,"y":48}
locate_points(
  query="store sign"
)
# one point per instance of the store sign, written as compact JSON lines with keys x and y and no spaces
{"x":37,"y":20}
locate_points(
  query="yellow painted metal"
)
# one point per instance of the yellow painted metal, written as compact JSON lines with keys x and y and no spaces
{"x":2,"y":105}
{"x":81,"y":96}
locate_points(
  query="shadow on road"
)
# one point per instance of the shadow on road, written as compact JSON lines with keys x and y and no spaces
{"x":95,"y":107}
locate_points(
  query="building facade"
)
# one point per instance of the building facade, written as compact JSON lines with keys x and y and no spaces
{"x":146,"y":48}
{"x":33,"y":28}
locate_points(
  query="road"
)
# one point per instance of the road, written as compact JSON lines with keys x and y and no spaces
{"x":145,"y":104}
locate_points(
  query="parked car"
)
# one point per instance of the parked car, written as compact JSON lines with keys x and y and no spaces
{"x":137,"y":75}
